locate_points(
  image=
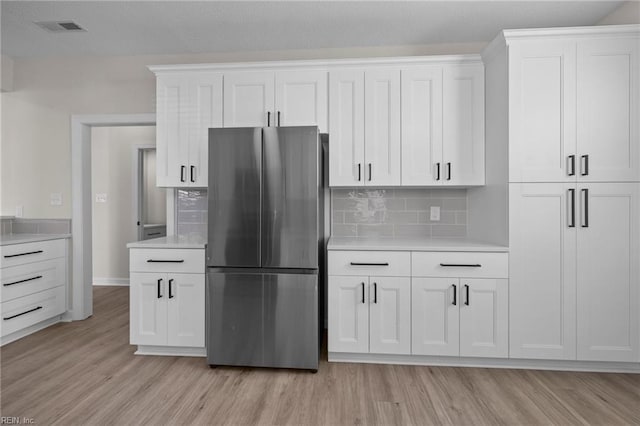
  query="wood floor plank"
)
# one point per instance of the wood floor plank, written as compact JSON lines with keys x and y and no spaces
{"x":85,"y":373}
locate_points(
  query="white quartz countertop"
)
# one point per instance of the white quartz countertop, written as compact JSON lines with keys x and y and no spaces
{"x":172,"y":241}
{"x":9,"y":239}
{"x":412,"y":244}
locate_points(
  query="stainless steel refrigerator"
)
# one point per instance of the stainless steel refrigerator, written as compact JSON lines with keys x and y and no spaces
{"x":265,"y":247}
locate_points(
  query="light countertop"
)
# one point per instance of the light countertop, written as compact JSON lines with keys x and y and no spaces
{"x":172,"y":241}
{"x":412,"y":244}
{"x":9,"y":239}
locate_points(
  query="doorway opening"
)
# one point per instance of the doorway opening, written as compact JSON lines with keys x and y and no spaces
{"x":149,"y":201}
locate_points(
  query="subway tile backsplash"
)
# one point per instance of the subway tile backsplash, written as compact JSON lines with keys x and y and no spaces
{"x":192,"y":212}
{"x":402,"y":212}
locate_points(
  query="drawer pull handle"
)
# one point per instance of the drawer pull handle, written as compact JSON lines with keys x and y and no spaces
{"x":461,"y":265}
{"x":22,"y":281}
{"x":22,"y":254}
{"x":165,"y":261}
{"x":369,"y":264}
{"x":154,"y":233}
{"x":23,"y":313}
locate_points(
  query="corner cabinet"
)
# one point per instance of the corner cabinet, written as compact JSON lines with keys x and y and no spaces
{"x":188,"y":104}
{"x":167,"y":293}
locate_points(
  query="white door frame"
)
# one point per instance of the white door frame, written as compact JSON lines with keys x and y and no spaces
{"x":82,"y":273}
{"x":138,"y":183}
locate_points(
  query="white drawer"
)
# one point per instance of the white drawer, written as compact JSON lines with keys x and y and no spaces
{"x":25,"y":311}
{"x":372,"y":263}
{"x":22,"y":280}
{"x":460,"y":264}
{"x":167,"y":260}
{"x":19,"y":254}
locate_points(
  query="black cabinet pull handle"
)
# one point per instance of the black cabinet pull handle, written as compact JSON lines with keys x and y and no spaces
{"x":437,"y":171}
{"x":461,"y":265}
{"x":572,"y":164}
{"x":278,"y":118}
{"x":159,"y":284}
{"x":193,"y":169}
{"x":182,"y":169}
{"x":269,"y":119}
{"x":455,"y":294}
{"x":154,"y":233}
{"x":585,"y":208}
{"x":572,"y":210}
{"x":466,"y":302}
{"x":448,"y":171}
{"x":23,"y":313}
{"x":375,"y":293}
{"x":164,"y":261}
{"x":22,"y":281}
{"x":369,"y":172}
{"x":170,"y":293}
{"x":585,"y":165}
{"x":359,"y":172}
{"x":369,"y":264}
{"x":22,"y":254}
{"x":363,"y":292}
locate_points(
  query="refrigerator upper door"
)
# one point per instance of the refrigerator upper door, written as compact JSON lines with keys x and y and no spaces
{"x":235,"y":169}
{"x":290,"y":197}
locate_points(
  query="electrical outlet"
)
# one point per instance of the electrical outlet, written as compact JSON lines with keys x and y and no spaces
{"x":19,"y":211}
{"x":434,"y":213}
{"x":55,"y":199}
{"x":101,"y":198}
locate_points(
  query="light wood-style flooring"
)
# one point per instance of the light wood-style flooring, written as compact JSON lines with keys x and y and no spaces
{"x":85,"y":373}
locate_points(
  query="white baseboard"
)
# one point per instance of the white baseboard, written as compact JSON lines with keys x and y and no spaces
{"x":530,"y":364}
{"x":170,"y":351}
{"x":122,"y":282}
{"x":29,"y":330}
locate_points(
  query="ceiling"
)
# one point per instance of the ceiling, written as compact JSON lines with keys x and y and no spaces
{"x":179,"y":27}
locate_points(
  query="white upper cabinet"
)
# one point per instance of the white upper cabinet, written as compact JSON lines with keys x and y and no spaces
{"x":608,"y":88}
{"x":284,"y":98}
{"x":346,"y":127}
{"x":301,"y":99}
{"x":248,"y":99}
{"x":364,"y":125}
{"x":443,"y":125}
{"x":463,"y":125}
{"x":422,"y":125}
{"x":573,"y":110}
{"x":187,"y":106}
{"x":542,"y":111}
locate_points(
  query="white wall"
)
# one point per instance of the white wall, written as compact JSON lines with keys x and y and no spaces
{"x":112,"y":173}
{"x":627,"y":13}
{"x":35,"y":133}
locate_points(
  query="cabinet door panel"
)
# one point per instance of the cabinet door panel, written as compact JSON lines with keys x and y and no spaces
{"x":435,"y":323}
{"x":248,"y":97}
{"x":346,"y":127}
{"x":348,"y":314}
{"x":382,"y":127}
{"x":206,"y":98}
{"x":390,"y":315}
{"x":185,"y":298}
{"x":542,"y":270}
{"x":608,"y":273}
{"x":301,"y":98}
{"x":463,"y":125}
{"x":148,"y":313}
{"x":172,"y":133}
{"x":542,"y":110}
{"x":484,"y":318}
{"x":422,"y":125}
{"x":607,"y":108}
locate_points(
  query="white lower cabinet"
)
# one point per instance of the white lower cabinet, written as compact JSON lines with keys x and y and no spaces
{"x":460,"y":317}
{"x":167,"y":308}
{"x":369,"y":314}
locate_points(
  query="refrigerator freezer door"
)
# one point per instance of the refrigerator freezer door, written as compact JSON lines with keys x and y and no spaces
{"x":291,"y":160}
{"x":235,"y":164}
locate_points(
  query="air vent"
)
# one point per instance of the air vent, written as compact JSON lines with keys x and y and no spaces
{"x":60,"y":26}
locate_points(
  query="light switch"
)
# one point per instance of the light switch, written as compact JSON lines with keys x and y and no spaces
{"x":101,"y":198}
{"x":56,"y":199}
{"x":434,"y":213}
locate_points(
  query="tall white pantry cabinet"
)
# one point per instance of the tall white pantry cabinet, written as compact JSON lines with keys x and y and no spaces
{"x":572,"y":98}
